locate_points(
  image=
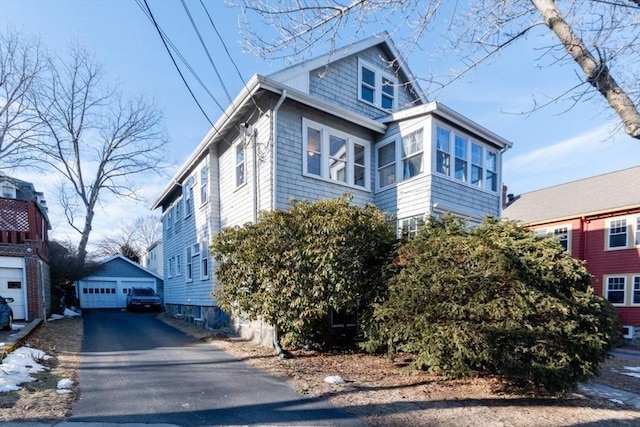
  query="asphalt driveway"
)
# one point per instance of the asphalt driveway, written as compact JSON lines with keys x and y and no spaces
{"x":136,"y":369}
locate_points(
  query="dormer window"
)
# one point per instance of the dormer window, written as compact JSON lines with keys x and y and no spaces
{"x":376,"y":88}
{"x":8,"y":191}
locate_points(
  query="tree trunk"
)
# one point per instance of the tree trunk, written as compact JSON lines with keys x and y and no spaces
{"x":596,"y":71}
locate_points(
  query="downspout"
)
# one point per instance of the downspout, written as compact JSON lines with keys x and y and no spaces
{"x":44,"y":301}
{"x":274,"y":161}
{"x":274,"y":149}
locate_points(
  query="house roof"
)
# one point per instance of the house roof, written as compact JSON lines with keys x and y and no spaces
{"x":244,"y":101}
{"x":382,"y":40}
{"x":26,"y":191}
{"x":599,"y":194}
{"x":125,"y":259}
{"x":440,"y":110}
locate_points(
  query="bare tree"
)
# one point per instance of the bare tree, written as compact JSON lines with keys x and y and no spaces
{"x":138,"y":235}
{"x":97,"y":142}
{"x":600,"y":36}
{"x":21,"y":65}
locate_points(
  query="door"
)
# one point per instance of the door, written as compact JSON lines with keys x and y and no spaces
{"x":11,"y":286}
{"x":98,"y":294}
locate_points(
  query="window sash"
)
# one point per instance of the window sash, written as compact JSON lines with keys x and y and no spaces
{"x":562,"y":234}
{"x":376,"y":87}
{"x":240,"y":165}
{"x":636,"y":290}
{"x":618,"y":233}
{"x":335,"y":156}
{"x":616,"y":290}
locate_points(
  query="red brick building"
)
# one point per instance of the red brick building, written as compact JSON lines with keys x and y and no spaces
{"x":597,"y":220}
{"x":24,"y":249}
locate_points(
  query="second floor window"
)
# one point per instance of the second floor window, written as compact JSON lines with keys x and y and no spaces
{"x":475,"y":164}
{"x":240,"y":169}
{"x":562,"y":234}
{"x":618,"y":234}
{"x":204,"y":184}
{"x":334,"y":155}
{"x":409,"y":149}
{"x":188,"y":198}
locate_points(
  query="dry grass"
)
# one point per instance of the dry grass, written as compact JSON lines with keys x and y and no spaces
{"x":38,"y":400}
{"x":380,"y":391}
{"x":388,"y":393}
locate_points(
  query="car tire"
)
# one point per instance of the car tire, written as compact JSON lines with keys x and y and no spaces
{"x":9,"y":325}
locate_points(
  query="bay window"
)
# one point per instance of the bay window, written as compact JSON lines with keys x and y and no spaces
{"x":474,"y":163}
{"x":335,"y":156}
{"x":399,"y":160}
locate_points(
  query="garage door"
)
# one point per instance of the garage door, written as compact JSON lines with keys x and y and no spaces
{"x":11,"y":286}
{"x":99,"y":294}
{"x":128,"y":284}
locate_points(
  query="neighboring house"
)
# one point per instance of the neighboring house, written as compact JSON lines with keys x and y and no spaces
{"x":353,"y":121}
{"x":109,"y":285}
{"x":24,"y":249}
{"x":152,"y":258}
{"x":596,"y":220}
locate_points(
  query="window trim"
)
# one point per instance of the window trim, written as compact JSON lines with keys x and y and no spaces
{"x":624,"y":289}
{"x":635,"y":278}
{"x":204,"y":184}
{"x":399,"y":159}
{"x":243,"y":164}
{"x":627,"y":227}
{"x":378,"y":93}
{"x":451,"y":154}
{"x":325,"y":135}
{"x":188,"y":265}
{"x":188,"y":198}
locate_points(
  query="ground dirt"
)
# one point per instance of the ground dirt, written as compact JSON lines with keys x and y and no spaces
{"x":380,"y":391}
{"x":38,"y":400}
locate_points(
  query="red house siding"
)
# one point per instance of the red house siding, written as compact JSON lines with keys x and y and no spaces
{"x":588,"y":242}
{"x":24,"y":234}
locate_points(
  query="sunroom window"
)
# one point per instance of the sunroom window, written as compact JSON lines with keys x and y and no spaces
{"x":335,"y":156}
{"x":476,"y":165}
{"x":461,"y":158}
{"x":409,"y":149}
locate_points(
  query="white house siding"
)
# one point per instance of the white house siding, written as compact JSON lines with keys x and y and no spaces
{"x":290,"y":181}
{"x":338,"y":83}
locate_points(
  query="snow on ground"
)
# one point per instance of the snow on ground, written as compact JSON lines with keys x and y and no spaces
{"x":18,"y":366}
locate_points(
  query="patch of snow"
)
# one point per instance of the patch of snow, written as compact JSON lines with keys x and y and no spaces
{"x":56,"y":317}
{"x":65,"y":384}
{"x":63,"y":391}
{"x":616,"y":401}
{"x":632,"y":368}
{"x":631,"y":374}
{"x":15,"y":327}
{"x":334,"y":379}
{"x":17,"y":367}
{"x":70,"y":313}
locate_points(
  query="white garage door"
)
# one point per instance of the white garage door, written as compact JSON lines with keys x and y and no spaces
{"x":99,"y":294}
{"x":11,"y":286}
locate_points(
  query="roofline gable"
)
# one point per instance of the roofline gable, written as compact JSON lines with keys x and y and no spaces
{"x":124,"y":258}
{"x":382,"y":38}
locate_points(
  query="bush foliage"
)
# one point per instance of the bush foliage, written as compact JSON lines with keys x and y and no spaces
{"x":494,"y":299}
{"x":293,"y":267}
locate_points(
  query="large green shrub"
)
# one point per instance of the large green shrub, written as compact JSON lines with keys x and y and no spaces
{"x":494,"y":299}
{"x":292,"y":267}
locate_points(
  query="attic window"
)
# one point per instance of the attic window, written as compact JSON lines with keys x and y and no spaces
{"x":8,"y":191}
{"x":376,"y":87}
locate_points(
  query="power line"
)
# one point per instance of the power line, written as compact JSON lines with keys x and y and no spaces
{"x":195,"y":27}
{"x":155,"y":23}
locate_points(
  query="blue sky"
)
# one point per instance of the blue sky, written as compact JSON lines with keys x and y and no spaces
{"x":550,"y":147}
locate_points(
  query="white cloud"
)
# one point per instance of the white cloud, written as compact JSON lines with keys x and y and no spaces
{"x":591,"y":153}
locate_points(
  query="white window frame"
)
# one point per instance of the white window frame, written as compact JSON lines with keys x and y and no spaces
{"x":188,"y":198}
{"x":240,"y":165}
{"x":178,"y":265}
{"x":613,"y":223}
{"x":635,"y":286}
{"x":326,"y":133}
{"x":452,"y":158}
{"x":400,"y":160}
{"x":170,"y":268}
{"x":624,"y":289}
{"x":553,"y":232}
{"x":8,"y":190}
{"x":378,"y":86}
{"x":637,"y":232}
{"x":188,"y":265}
{"x":169,"y":217}
{"x":410,"y":225}
{"x":204,"y":184}
{"x":178,"y":213}
{"x":205,"y":264}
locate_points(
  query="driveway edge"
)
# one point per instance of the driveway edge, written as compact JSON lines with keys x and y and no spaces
{"x":15,"y":340}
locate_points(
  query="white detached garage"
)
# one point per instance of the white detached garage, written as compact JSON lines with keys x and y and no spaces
{"x":108,"y":287}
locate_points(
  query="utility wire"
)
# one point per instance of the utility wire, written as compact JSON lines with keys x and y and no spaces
{"x":226,"y":49}
{"x":195,"y":27}
{"x":155,"y":23}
